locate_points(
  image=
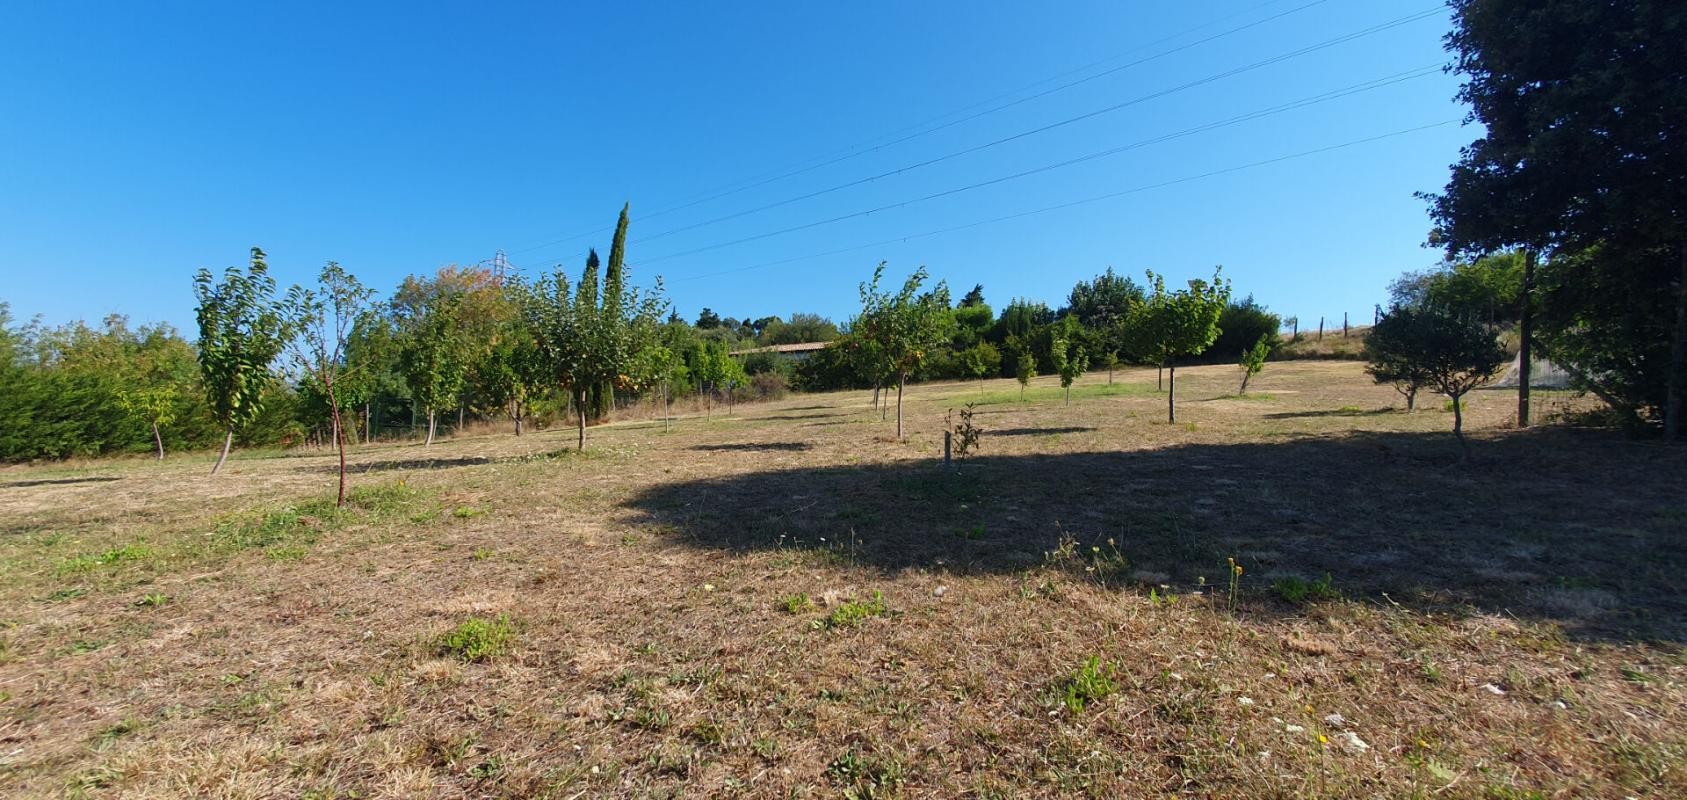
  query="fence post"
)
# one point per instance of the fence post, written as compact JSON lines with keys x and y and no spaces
{"x":948,"y":440}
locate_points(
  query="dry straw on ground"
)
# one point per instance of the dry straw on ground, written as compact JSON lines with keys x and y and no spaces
{"x":691,"y":613}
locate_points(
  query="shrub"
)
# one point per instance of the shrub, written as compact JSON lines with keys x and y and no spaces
{"x":769,"y":385}
{"x":1242,"y":324}
{"x":477,"y":638}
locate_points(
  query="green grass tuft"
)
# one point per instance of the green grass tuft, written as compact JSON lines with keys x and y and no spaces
{"x":477,"y":639}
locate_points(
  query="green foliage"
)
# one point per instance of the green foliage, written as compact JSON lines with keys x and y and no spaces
{"x":795,"y":603}
{"x":800,"y":328}
{"x":1253,"y":359}
{"x":1581,"y":152}
{"x":1300,"y":590}
{"x":903,"y":329}
{"x":1105,"y":301}
{"x":584,"y":340}
{"x":1242,"y":324}
{"x":1488,"y":289}
{"x":242,"y":330}
{"x":1024,"y":369}
{"x":1070,"y":361}
{"x":1091,"y":683}
{"x":1176,"y":324}
{"x":1433,"y":349}
{"x":966,"y":432}
{"x":434,"y":354}
{"x":980,"y":360}
{"x":77,"y":390}
{"x":854,"y":612}
{"x":477,"y":638}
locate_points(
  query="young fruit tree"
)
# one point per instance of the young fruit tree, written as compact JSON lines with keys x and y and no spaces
{"x":583,"y":341}
{"x":1069,"y":361}
{"x":432,"y":354}
{"x":1442,"y":351}
{"x":154,"y":405}
{"x":242,"y":330}
{"x":1173,"y":325}
{"x":904,"y":327}
{"x":1253,"y":360}
{"x":1024,"y":369}
{"x":505,"y":370}
{"x":322,"y":319}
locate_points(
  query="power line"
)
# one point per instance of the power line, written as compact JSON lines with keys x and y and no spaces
{"x":1079,"y":202}
{"x":851,"y":152}
{"x":1308,"y":49}
{"x":1324,"y":97}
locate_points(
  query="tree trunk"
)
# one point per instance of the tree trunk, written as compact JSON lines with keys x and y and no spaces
{"x":515,"y":414}
{"x":228,"y":441}
{"x":339,"y":444}
{"x":900,"y":379}
{"x":666,"y":408}
{"x":431,"y":427}
{"x":1160,"y":377}
{"x":459,"y":427}
{"x":580,"y":415}
{"x":1458,"y":425}
{"x":1525,"y":331}
{"x":1246,"y":375}
{"x":333,"y":418}
{"x":368,"y":428}
{"x":1109,"y":376}
{"x":875,"y":396}
{"x":1673,"y":399}
{"x":1068,"y":394}
{"x":1171,"y":396}
{"x":1412,"y":399}
{"x":158,"y":440}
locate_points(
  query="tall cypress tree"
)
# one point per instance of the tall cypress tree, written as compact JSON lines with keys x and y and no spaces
{"x":603,"y":394}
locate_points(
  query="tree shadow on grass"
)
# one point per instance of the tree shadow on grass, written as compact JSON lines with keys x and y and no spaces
{"x":405,"y":464}
{"x":1039,"y":431}
{"x":1333,"y":412}
{"x":753,"y":447}
{"x":1574,"y":527}
{"x":57,"y":481}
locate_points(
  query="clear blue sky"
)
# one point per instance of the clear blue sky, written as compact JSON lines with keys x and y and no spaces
{"x":139,"y":142}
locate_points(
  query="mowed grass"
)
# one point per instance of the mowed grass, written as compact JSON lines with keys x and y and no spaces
{"x":788,"y":602}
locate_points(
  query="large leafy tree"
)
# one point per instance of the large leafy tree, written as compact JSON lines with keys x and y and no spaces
{"x":242,"y":330}
{"x":1437,"y":349}
{"x":1585,"y":112}
{"x":323,"y":318}
{"x":905,"y":326}
{"x":1171,"y":325}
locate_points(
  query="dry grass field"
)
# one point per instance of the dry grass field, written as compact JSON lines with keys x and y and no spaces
{"x":788,"y":602}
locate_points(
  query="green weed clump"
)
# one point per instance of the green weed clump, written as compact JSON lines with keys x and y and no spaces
{"x":1296,"y":589}
{"x":116,"y":555}
{"x":1091,"y":683}
{"x":854,"y":612}
{"x":795,"y":603}
{"x":478,"y":638}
